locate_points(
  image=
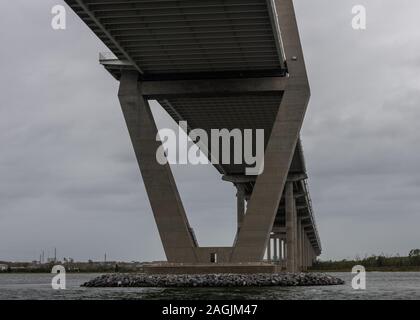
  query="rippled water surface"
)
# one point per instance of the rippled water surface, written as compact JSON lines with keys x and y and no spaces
{"x":380,"y":285}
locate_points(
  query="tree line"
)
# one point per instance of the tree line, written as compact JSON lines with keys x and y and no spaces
{"x":374,"y":262}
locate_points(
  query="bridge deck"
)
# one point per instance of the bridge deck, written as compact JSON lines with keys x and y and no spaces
{"x":173,"y":37}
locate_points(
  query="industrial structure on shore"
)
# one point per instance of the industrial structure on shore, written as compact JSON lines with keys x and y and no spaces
{"x":217,"y":64}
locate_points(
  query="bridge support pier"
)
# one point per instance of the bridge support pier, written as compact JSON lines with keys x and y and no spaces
{"x":298,"y":244}
{"x":308,"y":245}
{"x":276,"y":257}
{"x":305,"y":251}
{"x":291,"y":229}
{"x":176,"y":235}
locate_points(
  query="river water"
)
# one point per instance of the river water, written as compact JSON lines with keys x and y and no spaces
{"x":380,"y":285}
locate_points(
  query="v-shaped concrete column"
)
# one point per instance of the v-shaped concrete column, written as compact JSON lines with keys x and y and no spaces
{"x":262,"y":208}
{"x":169,"y":213}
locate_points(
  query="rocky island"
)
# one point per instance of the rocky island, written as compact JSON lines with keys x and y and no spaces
{"x":214,"y":280}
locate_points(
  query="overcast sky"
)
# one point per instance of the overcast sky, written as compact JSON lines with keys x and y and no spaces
{"x":68,"y":174}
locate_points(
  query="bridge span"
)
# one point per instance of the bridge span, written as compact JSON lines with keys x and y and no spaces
{"x":217,"y":64}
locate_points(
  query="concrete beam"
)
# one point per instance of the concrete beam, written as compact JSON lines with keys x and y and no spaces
{"x":239,"y":178}
{"x":157,"y":89}
{"x":292,"y":177}
{"x":279,"y":230}
{"x":115,"y":63}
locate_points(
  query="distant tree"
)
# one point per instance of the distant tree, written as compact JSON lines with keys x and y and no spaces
{"x":380,"y":261}
{"x":414,"y":257}
{"x":414,"y":253}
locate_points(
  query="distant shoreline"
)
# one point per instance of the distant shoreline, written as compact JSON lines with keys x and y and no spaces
{"x":410,"y":263}
{"x":417,"y":269}
{"x":74,"y":267}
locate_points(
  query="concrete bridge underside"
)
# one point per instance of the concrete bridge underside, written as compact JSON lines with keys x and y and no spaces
{"x":217,"y":64}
